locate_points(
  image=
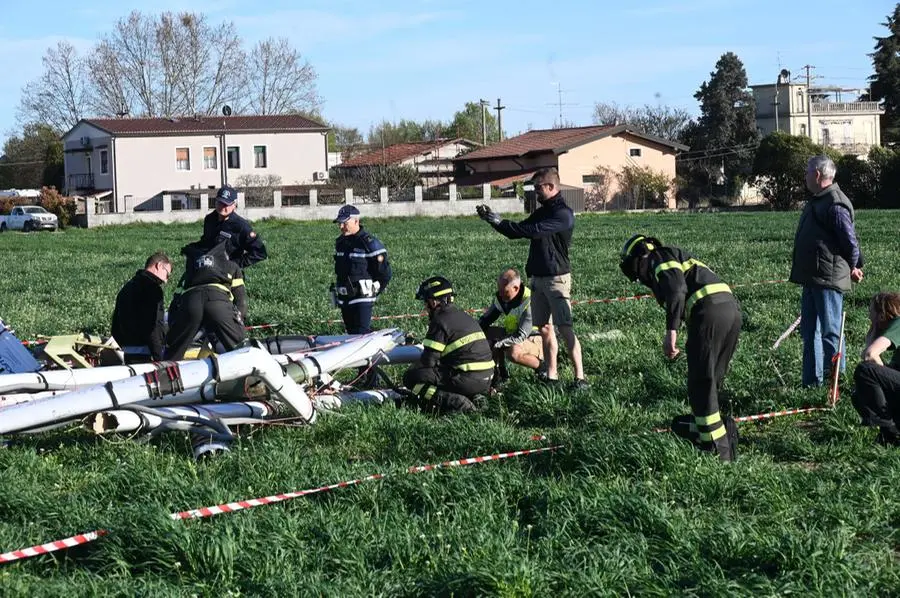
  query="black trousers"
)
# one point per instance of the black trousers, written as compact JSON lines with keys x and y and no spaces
{"x":446,"y":390}
{"x":876,"y":396}
{"x":712,"y":337}
{"x":357,"y":317}
{"x":206,"y":307}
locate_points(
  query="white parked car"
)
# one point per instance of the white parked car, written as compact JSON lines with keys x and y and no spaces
{"x":29,"y":218}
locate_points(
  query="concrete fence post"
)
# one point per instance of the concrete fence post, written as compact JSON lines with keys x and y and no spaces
{"x":418,"y":194}
{"x":313,"y":198}
{"x":167,"y":203}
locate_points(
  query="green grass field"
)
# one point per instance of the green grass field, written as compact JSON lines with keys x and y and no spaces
{"x":810,"y":508}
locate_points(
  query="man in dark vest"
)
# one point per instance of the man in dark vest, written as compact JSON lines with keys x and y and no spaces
{"x":826,"y":259}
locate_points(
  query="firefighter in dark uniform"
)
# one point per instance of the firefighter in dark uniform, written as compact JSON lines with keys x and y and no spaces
{"x":244,"y":246}
{"x":362,"y":271}
{"x":207,"y":301}
{"x":456,"y":363}
{"x":138,"y":321}
{"x":689,"y":290}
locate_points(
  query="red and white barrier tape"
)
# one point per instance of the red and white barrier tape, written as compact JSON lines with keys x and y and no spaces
{"x":69,"y":542}
{"x":232,"y":507}
{"x":786,"y":333}
{"x":576,"y":302}
{"x":764,"y":416}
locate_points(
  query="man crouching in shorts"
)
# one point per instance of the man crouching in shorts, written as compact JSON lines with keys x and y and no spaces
{"x":550,"y":230}
{"x":514,"y":336}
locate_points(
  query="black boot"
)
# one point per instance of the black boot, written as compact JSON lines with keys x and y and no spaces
{"x":449,"y":402}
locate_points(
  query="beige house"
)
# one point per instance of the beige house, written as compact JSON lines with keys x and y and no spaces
{"x":433,"y":160}
{"x":132,"y":162}
{"x":586,"y":157}
{"x":830,"y":116}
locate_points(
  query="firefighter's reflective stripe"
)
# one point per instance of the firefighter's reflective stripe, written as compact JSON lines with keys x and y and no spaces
{"x":683,"y":266}
{"x":434,"y":345}
{"x":475,"y":366}
{"x":710,"y":289}
{"x":439,"y":293}
{"x":510,"y":320}
{"x":634,"y":244}
{"x":212,"y":285}
{"x":424,"y":391}
{"x":710,"y":427}
{"x":462,"y":342}
{"x":237,"y":282}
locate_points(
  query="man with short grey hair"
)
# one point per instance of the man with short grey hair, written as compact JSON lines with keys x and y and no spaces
{"x":826,"y":259}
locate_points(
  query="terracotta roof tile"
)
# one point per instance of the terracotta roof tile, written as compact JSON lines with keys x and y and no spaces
{"x":556,"y":140}
{"x":205,"y":124}
{"x":394,"y":154}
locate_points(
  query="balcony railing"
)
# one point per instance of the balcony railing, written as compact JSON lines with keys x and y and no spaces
{"x":81,"y":181}
{"x":845,"y":107}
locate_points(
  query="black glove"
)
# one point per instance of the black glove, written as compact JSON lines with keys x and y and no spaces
{"x":486,"y":214}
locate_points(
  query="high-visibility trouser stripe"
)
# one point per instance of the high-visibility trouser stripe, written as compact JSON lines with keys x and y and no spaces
{"x":462,"y":342}
{"x":710,"y":289}
{"x":710,"y":427}
{"x":433,"y":345}
{"x":213,"y":285}
{"x":475,"y":366}
{"x":425,"y":391}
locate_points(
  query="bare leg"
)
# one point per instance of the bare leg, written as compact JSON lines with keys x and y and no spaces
{"x":550,"y":349}
{"x":517,"y":355}
{"x":574,"y":347}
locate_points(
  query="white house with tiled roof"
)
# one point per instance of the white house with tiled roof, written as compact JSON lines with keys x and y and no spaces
{"x":132,"y":161}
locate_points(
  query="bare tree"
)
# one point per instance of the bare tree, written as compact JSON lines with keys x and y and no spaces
{"x":662,"y":121}
{"x":59,"y":97}
{"x":169,"y":64}
{"x":280,"y":79}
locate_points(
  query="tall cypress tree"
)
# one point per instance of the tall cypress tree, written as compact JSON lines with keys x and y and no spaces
{"x":886,"y":80}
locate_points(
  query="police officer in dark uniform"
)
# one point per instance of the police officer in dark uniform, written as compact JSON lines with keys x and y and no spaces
{"x":689,"y":290}
{"x":244,"y":246}
{"x":456,"y":363}
{"x":138,"y":321}
{"x":362,"y":271}
{"x":207,"y":301}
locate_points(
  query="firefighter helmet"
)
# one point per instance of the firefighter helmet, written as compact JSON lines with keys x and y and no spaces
{"x":436,"y":287}
{"x":634,"y":249}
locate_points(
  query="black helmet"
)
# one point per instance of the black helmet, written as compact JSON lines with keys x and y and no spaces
{"x":436,"y":287}
{"x":635,"y":248}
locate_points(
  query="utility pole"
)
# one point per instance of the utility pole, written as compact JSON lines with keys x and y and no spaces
{"x":499,"y":121}
{"x":484,"y":105}
{"x":808,"y":101}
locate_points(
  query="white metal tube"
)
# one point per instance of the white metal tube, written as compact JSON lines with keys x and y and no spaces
{"x":70,"y":379}
{"x":124,"y":420}
{"x":365,"y":397}
{"x":306,"y":366}
{"x":199,"y":379}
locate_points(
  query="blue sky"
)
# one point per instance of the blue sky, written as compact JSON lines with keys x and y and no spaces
{"x":394,"y":59}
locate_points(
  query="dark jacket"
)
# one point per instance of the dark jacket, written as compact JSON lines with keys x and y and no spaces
{"x":455,"y":340}
{"x":817,"y":259}
{"x":245,"y":247}
{"x":679,"y":281}
{"x":139,"y":316}
{"x":361,"y":257}
{"x":550,"y":230}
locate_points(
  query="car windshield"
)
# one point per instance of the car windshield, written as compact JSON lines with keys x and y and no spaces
{"x":35,"y":210}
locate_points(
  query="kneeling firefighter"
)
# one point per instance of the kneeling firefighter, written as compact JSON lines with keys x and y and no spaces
{"x":456,"y":363}
{"x":689,"y":290}
{"x":213,"y":291}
